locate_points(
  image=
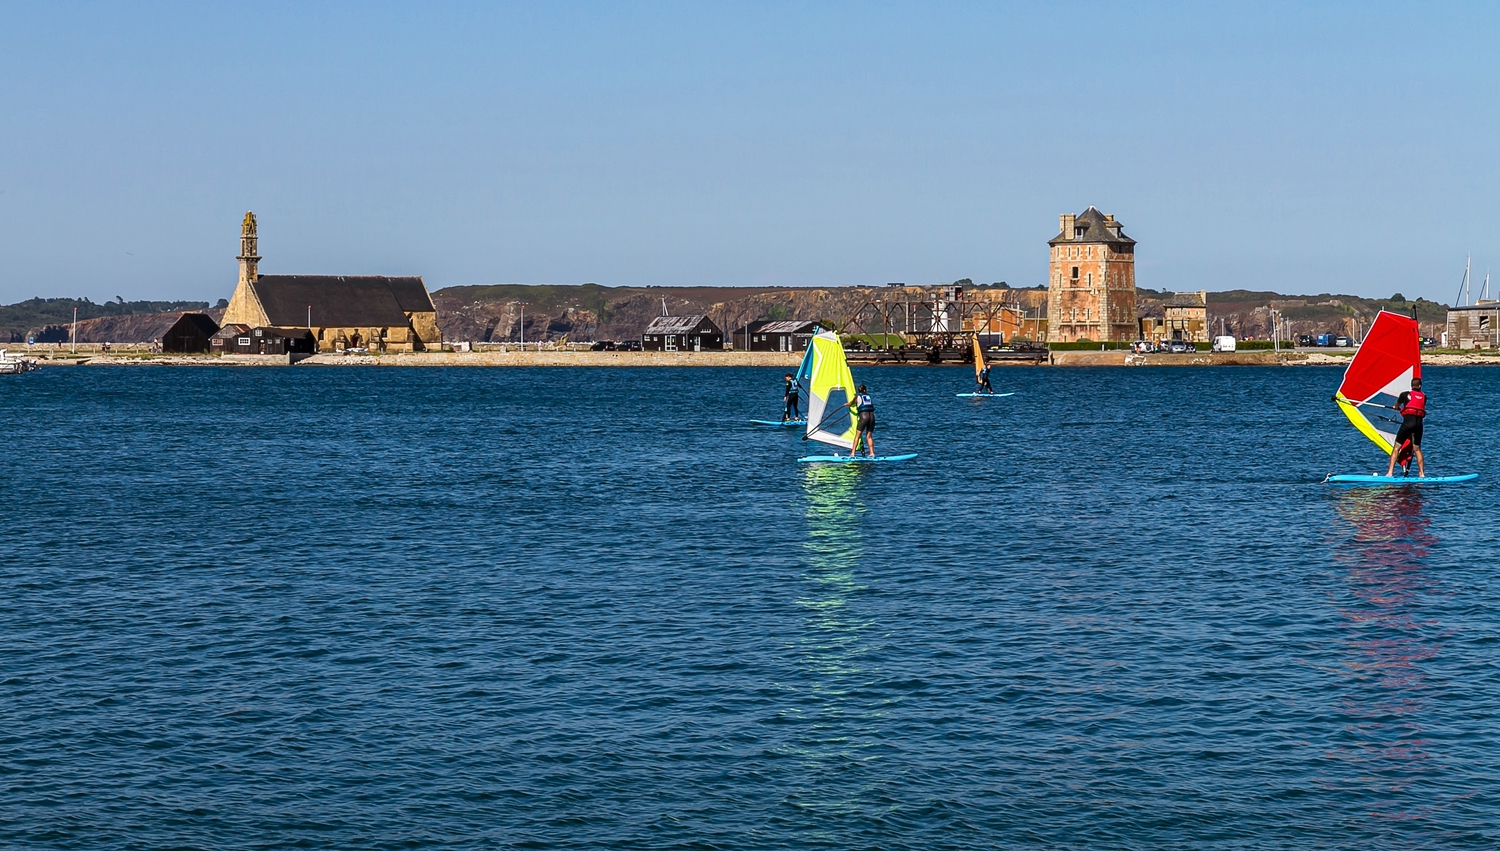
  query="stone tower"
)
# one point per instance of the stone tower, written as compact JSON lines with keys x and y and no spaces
{"x":1091,"y":285}
{"x":244,"y":305}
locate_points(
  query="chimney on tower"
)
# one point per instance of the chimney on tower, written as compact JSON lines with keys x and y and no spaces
{"x":1066,"y":221}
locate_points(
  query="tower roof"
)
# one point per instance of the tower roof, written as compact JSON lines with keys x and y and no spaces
{"x":1092,"y":227}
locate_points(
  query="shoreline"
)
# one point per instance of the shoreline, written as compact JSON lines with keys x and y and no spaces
{"x":788,"y":360}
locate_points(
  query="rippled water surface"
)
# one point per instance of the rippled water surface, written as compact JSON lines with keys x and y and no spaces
{"x":535,"y":608}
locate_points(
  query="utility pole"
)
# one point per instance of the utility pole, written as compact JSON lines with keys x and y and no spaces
{"x":73,"y":344}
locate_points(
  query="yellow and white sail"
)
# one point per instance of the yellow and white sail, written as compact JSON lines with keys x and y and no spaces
{"x":830,"y":387}
{"x":978,"y":360}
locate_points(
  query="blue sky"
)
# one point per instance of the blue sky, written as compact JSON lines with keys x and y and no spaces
{"x":1301,"y":147}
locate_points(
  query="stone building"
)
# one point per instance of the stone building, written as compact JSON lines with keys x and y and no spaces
{"x":1184,"y":317}
{"x":342,"y":311}
{"x":1474,"y":326}
{"x":1091,"y":286}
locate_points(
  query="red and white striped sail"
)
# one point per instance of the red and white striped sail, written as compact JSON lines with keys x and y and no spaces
{"x":1388,"y":359}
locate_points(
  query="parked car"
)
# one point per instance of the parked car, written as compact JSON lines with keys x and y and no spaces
{"x":1326,"y":339}
{"x":1178,"y":347}
{"x":1223,"y":344}
{"x":602,"y":346}
{"x":1342,"y":342}
{"x":1307,"y":341}
{"x":628,"y":346}
{"x":1143,"y":347}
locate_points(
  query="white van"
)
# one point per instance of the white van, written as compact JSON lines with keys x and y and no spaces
{"x":1223,"y":344}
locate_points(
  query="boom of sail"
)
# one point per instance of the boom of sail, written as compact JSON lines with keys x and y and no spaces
{"x":1388,"y":359}
{"x":830,"y":386}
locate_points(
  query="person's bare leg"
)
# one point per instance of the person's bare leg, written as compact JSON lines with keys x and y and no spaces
{"x":1391,"y":469}
{"x":1421,"y":470}
{"x":870,"y":443}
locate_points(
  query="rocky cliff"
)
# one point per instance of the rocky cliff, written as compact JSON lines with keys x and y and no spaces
{"x":131,"y":328}
{"x":592,"y":312}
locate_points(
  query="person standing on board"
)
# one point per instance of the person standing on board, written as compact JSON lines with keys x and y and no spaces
{"x":864,"y":406}
{"x":984,"y":380}
{"x":1413,"y":407}
{"x":790,"y":394}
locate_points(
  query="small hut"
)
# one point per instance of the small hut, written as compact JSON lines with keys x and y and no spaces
{"x":189,"y":334}
{"x":695,"y":333}
{"x":225,"y":341}
{"x":786,"y":336}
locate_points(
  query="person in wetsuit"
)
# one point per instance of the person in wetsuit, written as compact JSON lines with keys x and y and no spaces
{"x":864,"y":406}
{"x":1413,"y":408}
{"x":791,"y":394}
{"x":984,"y":380}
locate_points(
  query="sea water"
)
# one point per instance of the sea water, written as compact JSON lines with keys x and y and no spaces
{"x":537,"y":608}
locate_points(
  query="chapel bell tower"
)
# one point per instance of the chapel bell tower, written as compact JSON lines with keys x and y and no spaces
{"x":249,"y":260}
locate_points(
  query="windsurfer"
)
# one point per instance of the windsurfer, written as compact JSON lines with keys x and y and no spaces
{"x":1413,"y":408}
{"x":790,"y":394}
{"x":984,"y":380}
{"x":865,"y":407}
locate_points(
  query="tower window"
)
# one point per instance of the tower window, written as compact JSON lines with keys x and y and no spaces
{"x":1075,"y":273}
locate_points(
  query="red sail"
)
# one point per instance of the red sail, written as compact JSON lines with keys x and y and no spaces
{"x":1390,"y":349}
{"x":1388,"y":359}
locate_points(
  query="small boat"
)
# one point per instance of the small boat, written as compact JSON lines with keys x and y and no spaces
{"x":13,"y":365}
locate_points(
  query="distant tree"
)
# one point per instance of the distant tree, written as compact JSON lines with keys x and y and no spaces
{"x":778,"y":312}
{"x":1001,"y":284}
{"x":963,"y":282}
{"x":1398,"y":297}
{"x":221,"y":303}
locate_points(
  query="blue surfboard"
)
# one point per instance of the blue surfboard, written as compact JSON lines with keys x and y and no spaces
{"x":1398,"y":480}
{"x":779,"y":423}
{"x":981,"y":395}
{"x":857,"y":459}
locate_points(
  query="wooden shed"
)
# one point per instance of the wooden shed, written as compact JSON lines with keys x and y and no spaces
{"x":787,"y":336}
{"x":189,"y":334}
{"x":696,"y":333}
{"x":223,"y":341}
{"x":267,"y":341}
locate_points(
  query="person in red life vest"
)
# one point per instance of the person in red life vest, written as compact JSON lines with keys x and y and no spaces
{"x":1413,"y":407}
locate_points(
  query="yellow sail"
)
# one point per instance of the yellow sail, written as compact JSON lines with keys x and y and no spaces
{"x":978,"y":359}
{"x":830,"y":387}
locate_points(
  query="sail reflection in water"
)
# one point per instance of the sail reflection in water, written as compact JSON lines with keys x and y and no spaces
{"x":836,"y":718}
{"x":1383,"y":563}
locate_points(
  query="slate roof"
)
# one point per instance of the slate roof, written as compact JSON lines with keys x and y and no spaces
{"x":1187,"y":300}
{"x":791,"y":326}
{"x":233,"y":329}
{"x":1091,"y":228}
{"x":677,"y":324}
{"x":341,"y":301}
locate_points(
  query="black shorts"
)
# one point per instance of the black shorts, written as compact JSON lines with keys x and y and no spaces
{"x":866,"y":421}
{"x":1411,"y":427}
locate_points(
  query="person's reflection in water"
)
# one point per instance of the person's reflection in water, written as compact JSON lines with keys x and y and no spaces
{"x":1383,"y":563}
